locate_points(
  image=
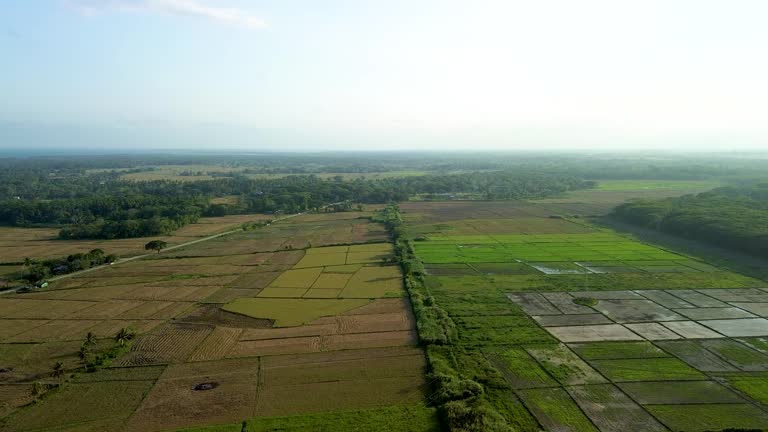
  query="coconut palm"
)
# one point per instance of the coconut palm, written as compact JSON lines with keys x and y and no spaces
{"x":90,"y":339}
{"x":124,"y":336}
{"x":83,"y":353}
{"x":58,"y":370}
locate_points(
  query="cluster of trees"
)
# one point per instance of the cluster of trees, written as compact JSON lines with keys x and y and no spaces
{"x":39,"y":271}
{"x":734,"y":217}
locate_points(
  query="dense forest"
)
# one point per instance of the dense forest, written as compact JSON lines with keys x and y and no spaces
{"x":734,"y":217}
{"x":101,"y":205}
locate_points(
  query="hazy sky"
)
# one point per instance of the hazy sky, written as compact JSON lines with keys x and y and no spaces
{"x":411,"y":74}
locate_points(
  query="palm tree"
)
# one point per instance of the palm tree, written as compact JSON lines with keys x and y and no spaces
{"x":90,"y":339}
{"x":83,"y":353}
{"x":124,"y":336}
{"x":58,"y":370}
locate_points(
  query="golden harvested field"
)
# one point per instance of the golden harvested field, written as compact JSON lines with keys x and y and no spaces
{"x":372,"y":281}
{"x":321,"y":293}
{"x":291,"y":312}
{"x":332,"y":280}
{"x":299,"y":278}
{"x":218,"y":311}
{"x":328,"y":250}
{"x":322,"y":260}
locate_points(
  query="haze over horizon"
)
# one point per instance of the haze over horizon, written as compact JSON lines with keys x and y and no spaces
{"x":372,"y":75}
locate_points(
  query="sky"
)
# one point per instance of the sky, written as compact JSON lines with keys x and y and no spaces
{"x":314,"y":75}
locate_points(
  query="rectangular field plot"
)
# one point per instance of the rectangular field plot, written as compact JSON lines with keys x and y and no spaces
{"x":97,"y":405}
{"x":740,"y":355}
{"x":172,"y":343}
{"x":49,"y":309}
{"x":396,"y":418}
{"x":739,"y":327}
{"x":57,"y":330}
{"x":555,"y":410}
{"x":617,"y":350}
{"x":292,"y":312}
{"x":709,"y":417}
{"x":174,"y":403}
{"x":656,"y":369}
{"x":13,"y":396}
{"x":566,"y":248}
{"x":611,"y":410}
{"x":321,"y":260}
{"x":502,"y":268}
{"x":589,"y":333}
{"x":332,"y":281}
{"x":301,"y":278}
{"x":565,"y":366}
{"x":653,"y":331}
{"x":12,"y":327}
{"x":321,"y":293}
{"x":674,"y":392}
{"x":339,"y":395}
{"x":217,"y":345}
{"x":694,"y":354}
{"x":373,"y":282}
{"x":623,"y":311}
{"x":347,"y":269}
{"x":570,"y":320}
{"x":275,"y":292}
{"x":754,"y":386}
{"x":698,"y":314}
{"x":361,"y":368}
{"x":691,"y":330}
{"x":519,"y":368}
{"x":333,"y":250}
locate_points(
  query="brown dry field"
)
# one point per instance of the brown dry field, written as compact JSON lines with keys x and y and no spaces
{"x":382,"y":323}
{"x":341,"y":379}
{"x":218,"y":343}
{"x":594,"y":202}
{"x":174,"y":302}
{"x":417,"y":213}
{"x":172,"y":403}
{"x":19,"y":243}
{"x":173,"y":343}
{"x":13,"y":395}
{"x":504,"y":226}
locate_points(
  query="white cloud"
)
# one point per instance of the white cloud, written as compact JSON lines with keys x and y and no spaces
{"x":195,"y":8}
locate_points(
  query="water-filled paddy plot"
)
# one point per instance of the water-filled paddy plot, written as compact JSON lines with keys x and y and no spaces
{"x":633,"y":315}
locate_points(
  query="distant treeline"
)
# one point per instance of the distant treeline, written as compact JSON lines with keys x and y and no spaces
{"x":733,"y":217}
{"x":110,"y":208}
